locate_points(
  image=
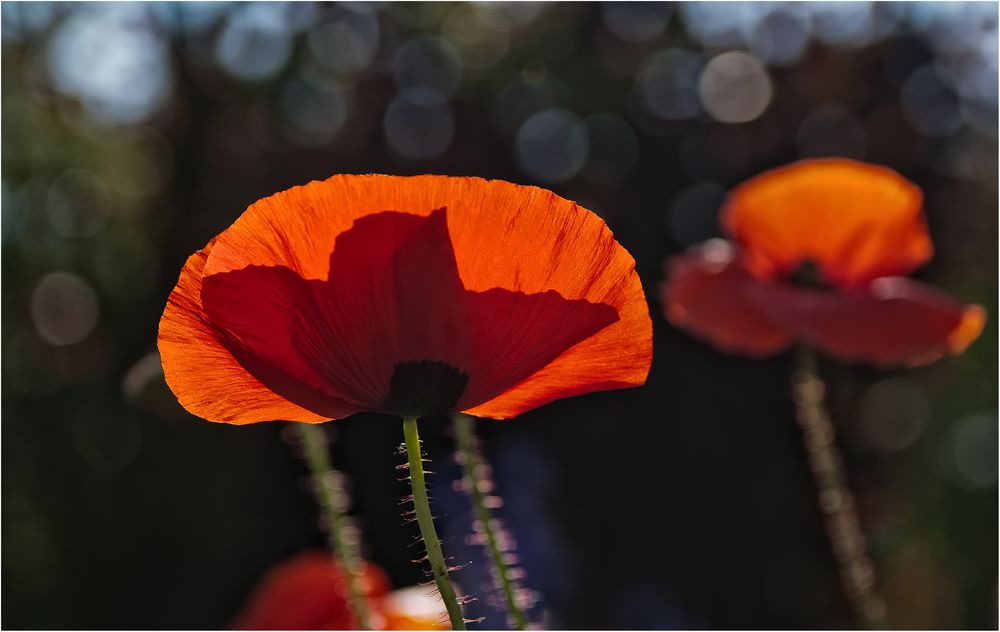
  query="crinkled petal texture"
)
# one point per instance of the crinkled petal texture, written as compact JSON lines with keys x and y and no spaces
{"x":200,"y":369}
{"x":856,"y":221}
{"x":423,"y":294}
{"x":892,"y":322}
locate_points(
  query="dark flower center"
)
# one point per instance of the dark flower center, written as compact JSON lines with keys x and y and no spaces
{"x":809,"y":274}
{"x":426,"y":387}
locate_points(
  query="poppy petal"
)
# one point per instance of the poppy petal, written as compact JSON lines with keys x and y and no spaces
{"x":515,"y":335}
{"x":266,"y":316}
{"x":504,"y":237}
{"x":392,"y":294}
{"x":708,"y":293}
{"x":410,"y":336}
{"x":856,"y":221}
{"x":896,"y":322}
{"x":202,"y":373}
{"x":309,"y":592}
{"x":529,"y":240}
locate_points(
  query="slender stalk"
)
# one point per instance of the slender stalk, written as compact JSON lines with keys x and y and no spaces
{"x":332,"y":500}
{"x":472,"y":462}
{"x":422,"y":509}
{"x":843,"y":526}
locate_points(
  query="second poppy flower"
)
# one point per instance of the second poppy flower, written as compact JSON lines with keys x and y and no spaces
{"x":816,"y":255}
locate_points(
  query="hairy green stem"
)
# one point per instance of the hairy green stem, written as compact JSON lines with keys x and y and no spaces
{"x":422,"y":509}
{"x":843,"y":526}
{"x":472,"y":463}
{"x":332,"y":500}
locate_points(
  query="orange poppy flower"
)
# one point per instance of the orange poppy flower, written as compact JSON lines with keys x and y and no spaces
{"x":408,"y":295}
{"x":309,"y":592}
{"x":816,"y":255}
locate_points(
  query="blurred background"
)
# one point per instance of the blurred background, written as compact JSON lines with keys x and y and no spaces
{"x":132,"y":133}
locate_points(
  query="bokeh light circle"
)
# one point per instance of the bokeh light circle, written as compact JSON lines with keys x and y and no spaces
{"x":735,"y":87}
{"x":780,"y":37}
{"x":427,"y":70}
{"x":251,"y":47}
{"x":346,"y":43}
{"x":667,"y":84}
{"x":121,"y":73}
{"x":315,"y":113}
{"x":64,"y":308}
{"x":418,"y":131}
{"x":552,"y":146}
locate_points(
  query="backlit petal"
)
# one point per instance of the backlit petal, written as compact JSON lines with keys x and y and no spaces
{"x":553,"y":302}
{"x":708,"y":293}
{"x":896,"y":322}
{"x":345,"y":331}
{"x":528,"y":240}
{"x":202,"y":373}
{"x":856,"y":221}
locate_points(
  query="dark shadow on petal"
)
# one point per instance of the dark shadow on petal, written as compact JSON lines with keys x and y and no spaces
{"x":254,"y":311}
{"x":514,"y":335}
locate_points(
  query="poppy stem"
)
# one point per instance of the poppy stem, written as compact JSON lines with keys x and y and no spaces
{"x":422,"y":509}
{"x":473,"y":464}
{"x":342,"y":538}
{"x":843,"y":526}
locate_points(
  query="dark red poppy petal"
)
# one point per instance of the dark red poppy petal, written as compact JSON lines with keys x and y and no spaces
{"x":708,"y":293}
{"x":896,"y":322}
{"x":513,"y":335}
{"x":273,"y":325}
{"x":202,"y":372}
{"x":393,"y":296}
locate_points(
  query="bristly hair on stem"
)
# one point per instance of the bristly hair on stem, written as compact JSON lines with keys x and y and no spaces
{"x":843,"y":526}
{"x":342,"y":536}
{"x":476,"y":482}
{"x":421,"y":507}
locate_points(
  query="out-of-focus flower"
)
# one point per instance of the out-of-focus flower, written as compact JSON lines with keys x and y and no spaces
{"x":411,"y":296}
{"x":817,"y":253}
{"x":309,"y":592}
{"x":413,"y":608}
